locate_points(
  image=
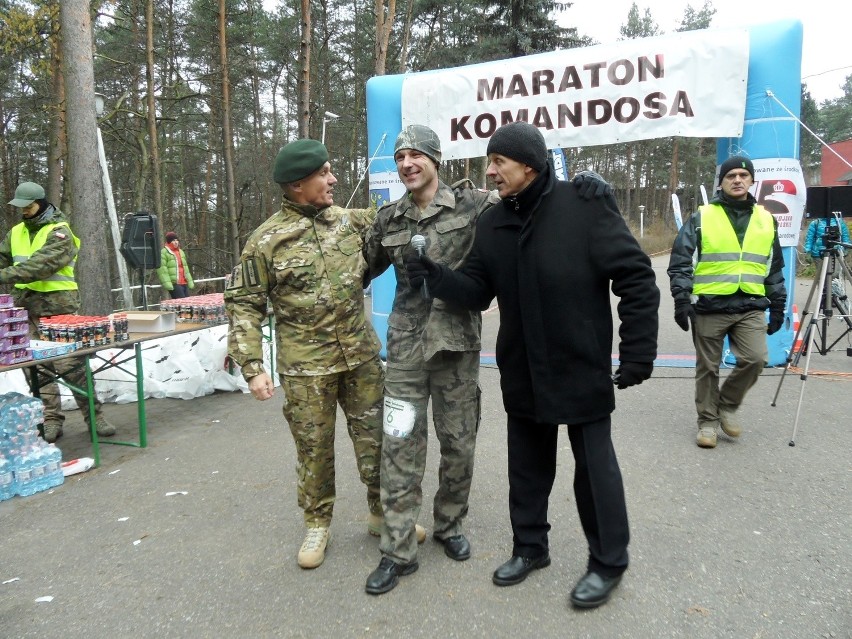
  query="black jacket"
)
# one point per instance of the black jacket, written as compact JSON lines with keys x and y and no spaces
{"x":549,"y":257}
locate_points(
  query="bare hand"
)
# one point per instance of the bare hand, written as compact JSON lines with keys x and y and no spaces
{"x":261,"y":386}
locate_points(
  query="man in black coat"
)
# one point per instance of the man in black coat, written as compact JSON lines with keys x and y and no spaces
{"x":549,"y":257}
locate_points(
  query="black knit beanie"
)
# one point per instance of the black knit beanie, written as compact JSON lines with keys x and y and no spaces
{"x":522,"y":142}
{"x":736,"y":162}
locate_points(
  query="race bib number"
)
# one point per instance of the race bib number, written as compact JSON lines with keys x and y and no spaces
{"x":398,"y":418}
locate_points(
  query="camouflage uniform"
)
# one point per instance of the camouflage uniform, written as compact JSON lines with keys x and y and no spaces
{"x":58,"y":251}
{"x":307,"y":264}
{"x":432,"y":351}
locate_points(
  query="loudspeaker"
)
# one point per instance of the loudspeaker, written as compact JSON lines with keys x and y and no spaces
{"x":824,"y":201}
{"x":140,"y":241}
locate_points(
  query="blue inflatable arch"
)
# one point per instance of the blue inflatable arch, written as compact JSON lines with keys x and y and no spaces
{"x":769,"y":131}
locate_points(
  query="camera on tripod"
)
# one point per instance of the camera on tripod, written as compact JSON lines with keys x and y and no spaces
{"x":831,"y":235}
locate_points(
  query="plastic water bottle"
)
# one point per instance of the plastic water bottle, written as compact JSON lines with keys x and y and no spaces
{"x":53,"y":467}
{"x":7,"y":479}
{"x":24,"y":473}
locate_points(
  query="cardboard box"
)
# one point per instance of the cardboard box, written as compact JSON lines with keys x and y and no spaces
{"x":150,"y":321}
{"x":42,"y":349}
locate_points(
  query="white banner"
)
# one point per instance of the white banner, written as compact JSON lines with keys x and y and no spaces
{"x":689,"y":84}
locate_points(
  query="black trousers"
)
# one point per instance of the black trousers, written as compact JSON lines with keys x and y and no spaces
{"x":598,"y":489}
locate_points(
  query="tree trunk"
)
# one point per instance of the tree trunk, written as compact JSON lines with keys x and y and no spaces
{"x":304,"y":117}
{"x":57,"y":145}
{"x":406,"y":38}
{"x":384,"y":23}
{"x":87,"y":196}
{"x":156,"y":180}
{"x":227,"y":138}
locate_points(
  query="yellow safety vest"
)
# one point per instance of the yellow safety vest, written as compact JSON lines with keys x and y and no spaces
{"x":724,"y":267}
{"x":22,"y":248}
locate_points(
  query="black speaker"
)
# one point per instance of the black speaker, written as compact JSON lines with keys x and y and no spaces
{"x":816,"y":201}
{"x":824,"y":201}
{"x":140,"y":241}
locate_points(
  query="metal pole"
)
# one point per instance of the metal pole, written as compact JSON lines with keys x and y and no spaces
{"x":113,"y":223}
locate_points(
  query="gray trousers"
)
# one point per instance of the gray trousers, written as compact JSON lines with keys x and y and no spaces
{"x":747,"y":336}
{"x":452,"y":381}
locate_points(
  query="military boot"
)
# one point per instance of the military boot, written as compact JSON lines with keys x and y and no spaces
{"x":102,"y":427}
{"x":706,"y":437}
{"x":375,"y":523}
{"x":729,"y":422}
{"x":52,"y":431}
{"x":312,"y":552}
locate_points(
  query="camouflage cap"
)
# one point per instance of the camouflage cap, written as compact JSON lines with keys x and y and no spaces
{"x":298,"y":160}
{"x":27,"y":193}
{"x":419,"y":138}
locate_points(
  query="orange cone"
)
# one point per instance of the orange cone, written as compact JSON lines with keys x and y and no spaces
{"x":797,"y":347}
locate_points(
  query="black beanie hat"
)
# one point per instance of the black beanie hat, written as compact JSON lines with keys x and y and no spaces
{"x":736,"y":162}
{"x":522,"y":142}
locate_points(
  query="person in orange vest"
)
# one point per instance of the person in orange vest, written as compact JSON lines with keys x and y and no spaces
{"x":38,"y":256}
{"x":174,"y":269}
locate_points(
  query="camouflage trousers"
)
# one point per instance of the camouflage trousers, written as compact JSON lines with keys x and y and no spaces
{"x":73,"y":370}
{"x":310,"y":408}
{"x":452,"y":381}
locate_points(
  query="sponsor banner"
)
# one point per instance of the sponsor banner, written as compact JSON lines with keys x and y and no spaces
{"x":779,"y":186}
{"x":689,"y":84}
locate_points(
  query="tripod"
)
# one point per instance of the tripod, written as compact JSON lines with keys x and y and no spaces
{"x":830,"y":296}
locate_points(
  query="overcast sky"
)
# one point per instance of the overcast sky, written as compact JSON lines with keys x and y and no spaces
{"x":827,"y":29}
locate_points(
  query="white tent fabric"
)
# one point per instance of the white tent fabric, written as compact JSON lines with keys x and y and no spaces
{"x":182,"y":366}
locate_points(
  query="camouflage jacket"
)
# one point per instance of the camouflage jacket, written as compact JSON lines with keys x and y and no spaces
{"x":307,"y":265}
{"x":59,"y":250}
{"x":448,"y":225}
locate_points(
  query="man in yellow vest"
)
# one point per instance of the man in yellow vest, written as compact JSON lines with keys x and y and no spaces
{"x":726,"y":269}
{"x":38,"y":256}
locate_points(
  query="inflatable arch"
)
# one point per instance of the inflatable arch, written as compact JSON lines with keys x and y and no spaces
{"x":689,"y":83}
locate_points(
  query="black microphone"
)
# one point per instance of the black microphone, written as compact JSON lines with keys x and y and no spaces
{"x":418,"y":243}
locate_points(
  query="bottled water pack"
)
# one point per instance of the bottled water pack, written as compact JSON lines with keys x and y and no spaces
{"x":28,"y":464}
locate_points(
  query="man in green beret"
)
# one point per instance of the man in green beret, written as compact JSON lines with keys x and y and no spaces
{"x":306,"y":262}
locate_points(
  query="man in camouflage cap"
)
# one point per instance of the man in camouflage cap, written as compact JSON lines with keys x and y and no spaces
{"x":38,"y":256}
{"x":433,"y":351}
{"x":306,"y":262}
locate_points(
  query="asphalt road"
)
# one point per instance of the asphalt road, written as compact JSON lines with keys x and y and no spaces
{"x":748,"y":540}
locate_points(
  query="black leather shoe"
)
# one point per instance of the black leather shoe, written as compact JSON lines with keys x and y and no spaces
{"x":517,"y":568}
{"x":593,"y":590}
{"x":386,"y":576}
{"x":456,"y":547}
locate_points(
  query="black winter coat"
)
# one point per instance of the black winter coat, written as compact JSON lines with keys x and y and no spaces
{"x":549,"y":257}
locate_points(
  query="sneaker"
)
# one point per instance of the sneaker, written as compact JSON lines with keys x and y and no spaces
{"x":375,"y":523}
{"x":706,"y":437}
{"x":730,"y":424}
{"x":312,"y":552}
{"x":52,"y":431}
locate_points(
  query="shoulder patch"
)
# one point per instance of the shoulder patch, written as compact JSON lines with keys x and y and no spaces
{"x":60,"y":235}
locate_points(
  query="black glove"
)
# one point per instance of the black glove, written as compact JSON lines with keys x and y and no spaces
{"x":776,"y":321}
{"x":590,"y":185}
{"x":632,"y":373}
{"x":684,"y":313}
{"x":419,"y":268}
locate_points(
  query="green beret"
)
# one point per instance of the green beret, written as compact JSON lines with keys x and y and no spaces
{"x":298,"y":159}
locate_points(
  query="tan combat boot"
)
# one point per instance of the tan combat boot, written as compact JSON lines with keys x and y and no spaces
{"x":312,"y":552}
{"x":375,"y":523}
{"x":729,"y":422}
{"x":706,"y":437}
{"x":52,"y":431}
